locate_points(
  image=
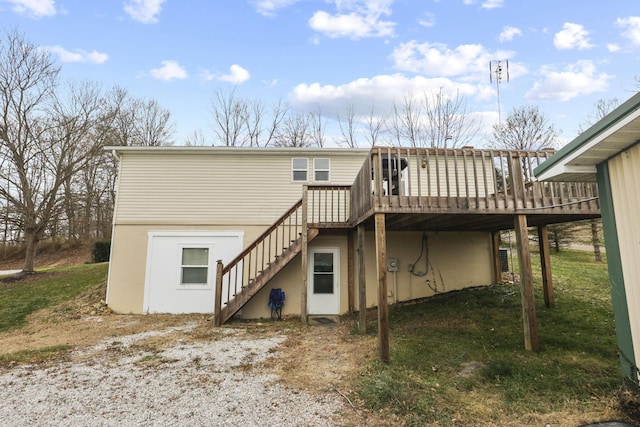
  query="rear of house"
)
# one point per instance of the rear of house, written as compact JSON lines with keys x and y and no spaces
{"x":181,"y":209}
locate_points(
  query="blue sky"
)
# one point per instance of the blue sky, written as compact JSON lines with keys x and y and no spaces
{"x":564,"y":55}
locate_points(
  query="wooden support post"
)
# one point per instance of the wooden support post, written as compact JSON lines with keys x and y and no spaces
{"x":495,"y":248}
{"x":526,"y":284}
{"x":383,"y":304}
{"x":217,"y":307}
{"x":303,"y":256}
{"x":351,"y":272}
{"x":362,"y":285}
{"x":545,"y":266}
{"x":517,"y":181}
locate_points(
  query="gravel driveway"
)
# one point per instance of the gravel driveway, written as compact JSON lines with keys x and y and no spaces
{"x":120,"y":382}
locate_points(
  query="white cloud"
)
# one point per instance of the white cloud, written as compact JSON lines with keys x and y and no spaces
{"x":236,"y":75}
{"x":355,"y":19}
{"x":631,"y":28}
{"x":577,"y":79}
{"x":145,"y":11}
{"x":492,"y":4}
{"x":78,"y":55}
{"x":170,"y":70}
{"x":381,"y":92}
{"x":572,"y":36}
{"x":487,"y":4}
{"x":428,"y":20}
{"x":206,"y":75}
{"x":34,"y":8}
{"x":470,"y":60}
{"x":270,"y":7}
{"x":508,"y":33}
{"x":613,"y":47}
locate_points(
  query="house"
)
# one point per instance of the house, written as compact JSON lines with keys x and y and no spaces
{"x":213,"y":229}
{"x":609,"y":154}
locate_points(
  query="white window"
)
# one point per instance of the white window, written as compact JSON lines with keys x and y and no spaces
{"x":195,"y":266}
{"x":299,"y":169}
{"x":321,"y":169}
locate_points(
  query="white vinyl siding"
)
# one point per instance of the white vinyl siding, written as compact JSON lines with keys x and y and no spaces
{"x":222,"y":189}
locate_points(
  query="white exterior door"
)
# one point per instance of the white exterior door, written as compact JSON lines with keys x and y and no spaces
{"x":181,"y":269}
{"x":323,"y":294}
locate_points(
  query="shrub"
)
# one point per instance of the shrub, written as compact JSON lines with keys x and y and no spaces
{"x":101,"y":250}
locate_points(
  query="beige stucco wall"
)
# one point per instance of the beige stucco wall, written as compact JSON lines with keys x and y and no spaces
{"x":625,"y":180}
{"x":457,"y":260}
{"x":125,"y":289}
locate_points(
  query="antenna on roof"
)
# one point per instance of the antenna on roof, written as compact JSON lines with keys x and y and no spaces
{"x":498,"y":71}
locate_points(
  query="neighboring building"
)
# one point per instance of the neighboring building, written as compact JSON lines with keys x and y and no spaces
{"x":317,"y":223}
{"x":609,"y":153}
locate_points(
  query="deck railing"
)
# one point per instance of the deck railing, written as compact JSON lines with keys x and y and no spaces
{"x":460,"y":180}
{"x":328,"y":206}
{"x":256,"y":258}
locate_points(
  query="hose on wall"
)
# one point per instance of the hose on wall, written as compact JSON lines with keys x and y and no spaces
{"x":429,"y":268}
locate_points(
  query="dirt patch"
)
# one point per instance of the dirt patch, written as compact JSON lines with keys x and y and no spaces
{"x":48,"y":254}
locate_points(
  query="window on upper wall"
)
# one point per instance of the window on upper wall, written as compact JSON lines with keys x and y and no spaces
{"x":195,"y":266}
{"x":321,"y":169}
{"x":299,"y":169}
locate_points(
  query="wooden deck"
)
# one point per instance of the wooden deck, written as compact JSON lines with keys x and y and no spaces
{"x":463,"y":189}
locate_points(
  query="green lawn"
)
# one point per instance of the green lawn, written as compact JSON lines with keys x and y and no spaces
{"x":576,"y":371}
{"x":47,"y":289}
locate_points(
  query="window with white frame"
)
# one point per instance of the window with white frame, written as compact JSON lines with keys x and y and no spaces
{"x":299,"y":169}
{"x":321,"y":167}
{"x":194,"y":266}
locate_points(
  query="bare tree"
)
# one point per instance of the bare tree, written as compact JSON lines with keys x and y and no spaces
{"x":526,"y":128}
{"x":45,"y":138}
{"x":152,"y":126}
{"x":196,"y":139}
{"x":255,"y":113}
{"x":278,"y":113}
{"x":601,"y":108}
{"x":229,"y":118}
{"x":448,"y":124}
{"x":318,"y":127}
{"x":375,"y":126}
{"x":139,"y":122}
{"x":407,"y":124}
{"x":295,"y":131}
{"x":347,"y":123}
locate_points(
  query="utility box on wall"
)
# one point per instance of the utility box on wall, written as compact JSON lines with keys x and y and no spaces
{"x":392,"y":264}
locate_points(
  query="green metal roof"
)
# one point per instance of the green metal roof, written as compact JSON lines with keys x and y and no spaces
{"x":615,"y":132}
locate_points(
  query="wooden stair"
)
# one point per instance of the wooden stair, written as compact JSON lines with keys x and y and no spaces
{"x":255,"y":284}
{"x":255,"y":266}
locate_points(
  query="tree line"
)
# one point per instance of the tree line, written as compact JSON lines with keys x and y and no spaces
{"x":55,"y":178}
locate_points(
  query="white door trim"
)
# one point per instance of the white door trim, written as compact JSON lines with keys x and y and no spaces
{"x":324,"y":303}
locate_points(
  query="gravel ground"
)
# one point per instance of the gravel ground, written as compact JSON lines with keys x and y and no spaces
{"x":117,"y":383}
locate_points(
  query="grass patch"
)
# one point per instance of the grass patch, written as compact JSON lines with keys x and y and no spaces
{"x":19,"y":299}
{"x":40,"y":355}
{"x":459,"y":358}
